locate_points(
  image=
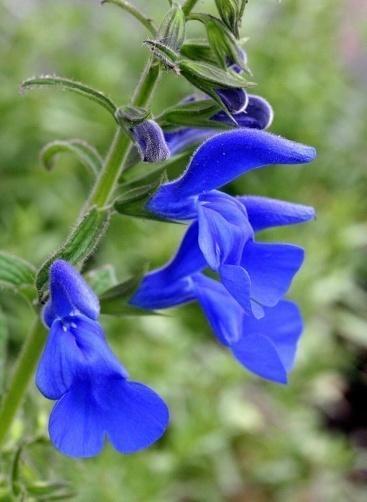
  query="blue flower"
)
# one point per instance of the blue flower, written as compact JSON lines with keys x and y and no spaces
{"x":95,"y":397}
{"x":262,"y":315}
{"x":224,"y":233}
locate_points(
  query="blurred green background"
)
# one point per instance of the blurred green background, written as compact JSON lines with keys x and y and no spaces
{"x":232,"y":437}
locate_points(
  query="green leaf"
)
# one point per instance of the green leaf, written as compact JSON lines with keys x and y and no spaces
{"x":78,"y":246}
{"x":86,"y":153}
{"x":102,"y":278}
{"x":115,"y":301}
{"x":210,"y":75}
{"x":51,"y":490}
{"x":3,"y":347}
{"x":196,"y":113}
{"x":16,"y":274}
{"x":73,"y":86}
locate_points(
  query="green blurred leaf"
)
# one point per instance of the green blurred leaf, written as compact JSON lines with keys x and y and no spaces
{"x":101,"y":279}
{"x":3,"y":348}
{"x":196,"y":113}
{"x":73,"y":86}
{"x":16,"y":274}
{"x":86,"y":153}
{"x":78,"y":246}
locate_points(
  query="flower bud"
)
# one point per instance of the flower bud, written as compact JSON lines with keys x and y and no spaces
{"x":230,"y":12}
{"x":150,"y":142}
{"x":172,"y":30}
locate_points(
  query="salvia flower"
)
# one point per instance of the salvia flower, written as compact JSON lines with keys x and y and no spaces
{"x":96,"y":400}
{"x":265,"y":346}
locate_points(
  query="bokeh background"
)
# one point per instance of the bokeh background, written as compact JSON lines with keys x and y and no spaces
{"x":233,"y":437}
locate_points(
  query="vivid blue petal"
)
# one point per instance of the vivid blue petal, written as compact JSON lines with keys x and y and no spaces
{"x":223,"y":229}
{"x":266,"y":213}
{"x":76,"y":425}
{"x":268,"y":346}
{"x":225,"y":157}
{"x":257,"y":115}
{"x":279,"y":330}
{"x":259,"y":355}
{"x":48,"y":314}
{"x":171,"y":285}
{"x":70,"y":292}
{"x":58,"y":363}
{"x":136,"y":416}
{"x":237,"y":282}
{"x":224,"y":314}
{"x":271,"y":268}
{"x":75,"y":347}
{"x":150,"y":141}
{"x":235,"y":100}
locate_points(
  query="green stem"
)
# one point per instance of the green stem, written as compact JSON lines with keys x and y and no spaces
{"x":119,"y":150}
{"x":22,"y":374}
{"x":145,"y":21}
{"x":188,"y":6}
{"x":101,"y":194}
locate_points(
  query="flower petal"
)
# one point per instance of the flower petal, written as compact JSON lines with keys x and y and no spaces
{"x":264,"y":212}
{"x":137,"y":416}
{"x":76,"y":425}
{"x":235,"y":100}
{"x":170,"y":285}
{"x":237,"y":282}
{"x":227,"y":156}
{"x":70,"y":292}
{"x":223,"y":229}
{"x":58,"y":363}
{"x":224,"y":314}
{"x":75,"y":348}
{"x":271,"y":268}
{"x":258,"y":354}
{"x":282,"y":325}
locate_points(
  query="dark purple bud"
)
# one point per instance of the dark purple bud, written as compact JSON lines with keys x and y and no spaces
{"x":257,"y":115}
{"x":234,"y":99}
{"x":150,"y":141}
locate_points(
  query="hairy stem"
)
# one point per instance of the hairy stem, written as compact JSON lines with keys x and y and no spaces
{"x":145,"y":21}
{"x":114,"y":163}
{"x":22,"y":374}
{"x":188,"y":6}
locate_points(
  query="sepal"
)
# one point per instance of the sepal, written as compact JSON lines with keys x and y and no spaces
{"x":102,"y":278}
{"x":191,"y":114}
{"x":172,"y":30}
{"x":222,"y":41}
{"x":130,"y":116}
{"x":229,"y":11}
{"x":78,"y":246}
{"x":115,"y":301}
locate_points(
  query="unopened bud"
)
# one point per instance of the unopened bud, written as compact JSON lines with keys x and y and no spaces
{"x":150,"y":141}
